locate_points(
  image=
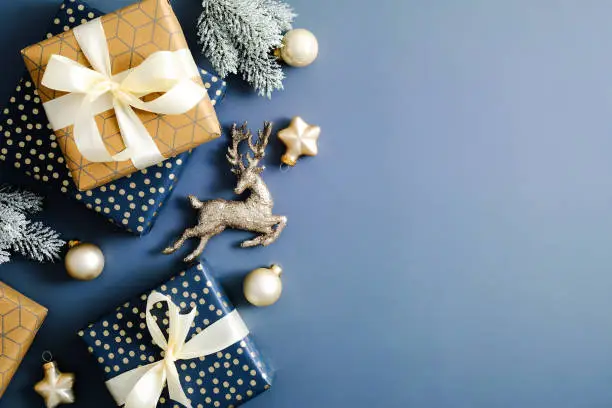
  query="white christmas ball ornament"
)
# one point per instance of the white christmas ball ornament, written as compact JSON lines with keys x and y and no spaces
{"x":84,"y":261}
{"x":263,"y":286}
{"x":300,"y":48}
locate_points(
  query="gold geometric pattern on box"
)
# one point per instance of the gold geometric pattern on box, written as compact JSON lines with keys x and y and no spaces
{"x":133,"y":33}
{"x":20,"y":318}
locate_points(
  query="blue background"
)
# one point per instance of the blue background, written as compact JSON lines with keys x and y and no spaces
{"x":449,"y":246}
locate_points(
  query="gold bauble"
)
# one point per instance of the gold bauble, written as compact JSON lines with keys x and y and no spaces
{"x":263,"y":286}
{"x":56,"y":387}
{"x":300,"y":48}
{"x":84,"y":261}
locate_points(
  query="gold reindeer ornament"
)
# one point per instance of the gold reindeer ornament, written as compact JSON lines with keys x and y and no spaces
{"x":253,"y":214}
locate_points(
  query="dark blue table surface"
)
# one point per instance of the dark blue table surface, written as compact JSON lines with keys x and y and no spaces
{"x":449,"y":246}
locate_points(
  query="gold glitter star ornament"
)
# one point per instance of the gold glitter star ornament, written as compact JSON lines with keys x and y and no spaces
{"x":300,"y":139}
{"x":56,"y":387}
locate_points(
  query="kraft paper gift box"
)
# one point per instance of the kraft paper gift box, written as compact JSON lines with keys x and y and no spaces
{"x":28,"y":145}
{"x":20,"y":320}
{"x":224,"y":375}
{"x":79,"y":105}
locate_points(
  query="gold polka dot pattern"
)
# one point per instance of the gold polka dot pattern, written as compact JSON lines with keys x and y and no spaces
{"x":120,"y":342}
{"x":27,"y":143}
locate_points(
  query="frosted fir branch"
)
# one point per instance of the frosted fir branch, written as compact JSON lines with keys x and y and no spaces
{"x":281,"y":12}
{"x":20,"y":200}
{"x":218,"y":47}
{"x":239,"y":36}
{"x":265,"y":74}
{"x":18,"y":234}
{"x":12,"y":222}
{"x":5,"y":255}
{"x":39,"y":242}
{"x":246,"y":19}
{"x":240,"y":25}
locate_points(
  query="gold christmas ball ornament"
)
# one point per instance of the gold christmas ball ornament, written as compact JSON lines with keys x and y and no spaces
{"x":263,"y":286}
{"x":301,"y":139}
{"x":84,"y":261}
{"x":300,"y":48}
{"x":55,"y":387}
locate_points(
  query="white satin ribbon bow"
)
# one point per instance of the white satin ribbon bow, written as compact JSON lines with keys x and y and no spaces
{"x":92,"y":91}
{"x":142,"y":386}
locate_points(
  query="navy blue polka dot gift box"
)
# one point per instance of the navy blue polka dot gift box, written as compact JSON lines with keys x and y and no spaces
{"x":213,"y":362}
{"x":27,"y":143}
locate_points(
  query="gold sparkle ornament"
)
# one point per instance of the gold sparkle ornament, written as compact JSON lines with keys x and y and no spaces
{"x":253,"y":214}
{"x":56,"y":387}
{"x":301,"y":140}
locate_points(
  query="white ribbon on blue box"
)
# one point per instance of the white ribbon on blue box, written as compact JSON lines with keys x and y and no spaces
{"x":141,"y":387}
{"x":180,"y":343}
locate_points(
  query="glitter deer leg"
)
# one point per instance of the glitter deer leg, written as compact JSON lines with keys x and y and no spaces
{"x":253,"y":214}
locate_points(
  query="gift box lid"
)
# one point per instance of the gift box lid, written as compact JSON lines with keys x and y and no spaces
{"x":120,"y":342}
{"x":133,"y":34}
{"x":27,"y":143}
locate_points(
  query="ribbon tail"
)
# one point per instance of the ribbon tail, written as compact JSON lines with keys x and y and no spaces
{"x":148,"y":389}
{"x":87,"y":135}
{"x":123,"y":386}
{"x":140,"y":147}
{"x":175,"y":389}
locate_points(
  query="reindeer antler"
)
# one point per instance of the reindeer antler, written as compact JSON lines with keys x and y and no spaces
{"x":233,"y":155}
{"x":259,"y":148}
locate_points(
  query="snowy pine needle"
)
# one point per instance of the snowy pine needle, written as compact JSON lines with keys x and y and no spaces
{"x":239,"y":36}
{"x":23,"y":201}
{"x":18,"y":234}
